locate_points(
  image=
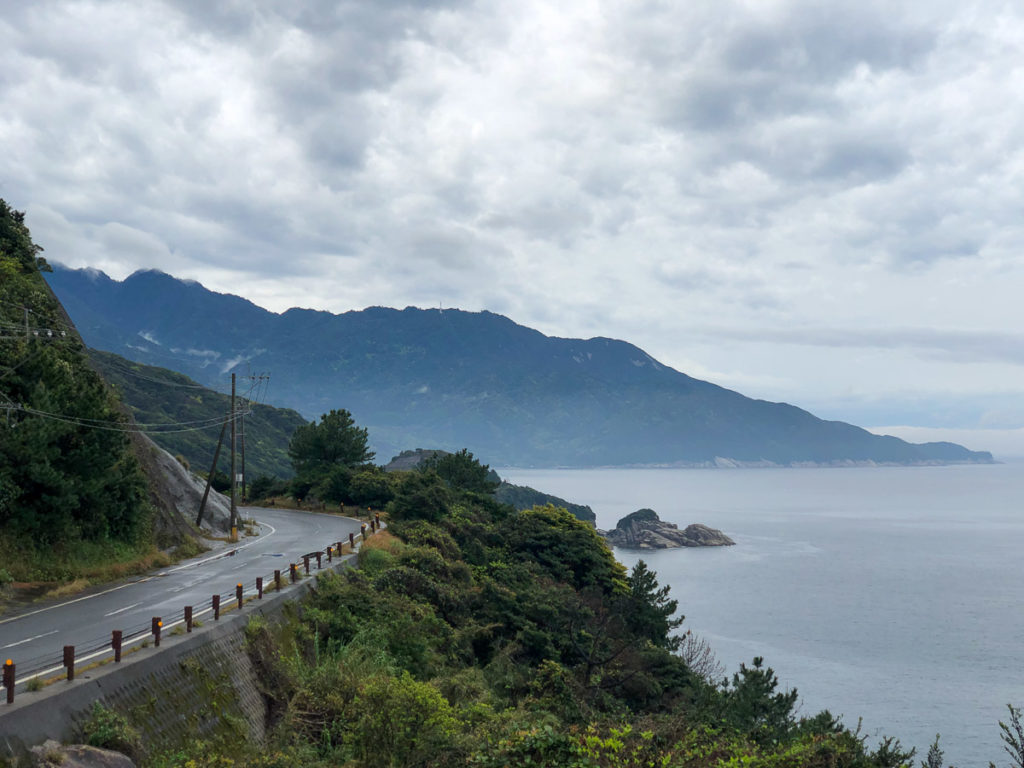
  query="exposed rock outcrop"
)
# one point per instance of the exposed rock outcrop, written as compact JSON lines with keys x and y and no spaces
{"x":52,"y":753}
{"x":643,"y":529}
{"x":176,"y":494}
{"x":412,"y":459}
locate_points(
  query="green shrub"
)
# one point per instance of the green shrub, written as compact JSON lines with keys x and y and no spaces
{"x":370,"y":488}
{"x":403,"y":722}
{"x":421,"y":496}
{"x":107,"y":729}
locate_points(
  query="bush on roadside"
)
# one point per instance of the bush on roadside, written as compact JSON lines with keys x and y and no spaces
{"x":108,"y":729}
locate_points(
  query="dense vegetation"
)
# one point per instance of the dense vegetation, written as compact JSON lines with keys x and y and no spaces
{"x":71,"y":492}
{"x":524,"y":497}
{"x":161,"y":396}
{"x":474,"y":634}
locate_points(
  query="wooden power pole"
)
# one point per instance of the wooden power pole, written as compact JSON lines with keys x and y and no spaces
{"x":234,"y":509}
{"x":213,"y":469}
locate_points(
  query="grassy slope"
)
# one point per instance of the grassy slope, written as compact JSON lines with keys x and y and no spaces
{"x":161,"y":396}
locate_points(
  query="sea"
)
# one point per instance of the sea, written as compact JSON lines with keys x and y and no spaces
{"x":892,"y":596}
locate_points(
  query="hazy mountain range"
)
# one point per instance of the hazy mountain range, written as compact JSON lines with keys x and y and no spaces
{"x":452,"y":379}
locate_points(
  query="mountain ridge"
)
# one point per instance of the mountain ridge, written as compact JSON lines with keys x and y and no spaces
{"x":454,"y":379}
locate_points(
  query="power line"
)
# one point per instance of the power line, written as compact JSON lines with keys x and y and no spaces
{"x":111,"y":426}
{"x":122,"y":368}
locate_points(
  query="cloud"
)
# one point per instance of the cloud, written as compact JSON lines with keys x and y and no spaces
{"x":742,"y":187}
{"x":957,"y":346}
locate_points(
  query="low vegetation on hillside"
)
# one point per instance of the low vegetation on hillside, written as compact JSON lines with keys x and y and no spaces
{"x":475,"y":634}
{"x":161,"y":396}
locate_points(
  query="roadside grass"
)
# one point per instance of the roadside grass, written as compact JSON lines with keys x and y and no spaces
{"x":383,"y":539}
{"x":67,"y":589}
{"x":56,"y":572}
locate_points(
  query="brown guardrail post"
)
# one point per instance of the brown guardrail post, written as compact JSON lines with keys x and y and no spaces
{"x":238,"y":594}
{"x":362,"y":531}
{"x":188,"y":618}
{"x":352,"y":541}
{"x":215,"y":602}
{"x":305,"y":563}
{"x":9,"y":680}
{"x":277,"y":580}
{"x":330,"y":554}
{"x":319,"y":560}
{"x":115,"y":643}
{"x":156,"y":627}
{"x":69,"y":661}
{"x":293,"y":572}
{"x":259,"y":587}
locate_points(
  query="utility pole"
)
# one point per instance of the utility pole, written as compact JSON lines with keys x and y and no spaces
{"x":241,"y":423}
{"x":209,"y":477}
{"x":234,"y":510}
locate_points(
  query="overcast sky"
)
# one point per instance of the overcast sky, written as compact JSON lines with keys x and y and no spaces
{"x":817,"y":202}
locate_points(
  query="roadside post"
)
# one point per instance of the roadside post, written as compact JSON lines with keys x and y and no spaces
{"x":9,"y":680}
{"x":156,"y":627}
{"x":216,"y":607}
{"x":69,"y":661}
{"x":238,"y":594}
{"x":259,"y":587}
{"x":188,"y":618}
{"x":115,"y":643}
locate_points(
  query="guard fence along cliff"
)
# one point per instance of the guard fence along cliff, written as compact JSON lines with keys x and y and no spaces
{"x":34,"y":673}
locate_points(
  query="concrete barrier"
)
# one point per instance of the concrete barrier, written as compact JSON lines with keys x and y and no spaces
{"x":191,"y":687}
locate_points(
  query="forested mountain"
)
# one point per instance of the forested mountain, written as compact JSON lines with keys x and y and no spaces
{"x":453,"y":379}
{"x":160,"y":396}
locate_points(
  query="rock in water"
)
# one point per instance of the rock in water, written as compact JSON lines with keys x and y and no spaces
{"x":643,"y":529}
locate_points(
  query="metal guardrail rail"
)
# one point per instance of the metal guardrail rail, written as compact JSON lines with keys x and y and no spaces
{"x":18,"y":674}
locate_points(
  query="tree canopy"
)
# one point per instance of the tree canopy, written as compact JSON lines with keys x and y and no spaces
{"x":68,"y":478}
{"x":315,"y":449}
{"x":461,"y":471}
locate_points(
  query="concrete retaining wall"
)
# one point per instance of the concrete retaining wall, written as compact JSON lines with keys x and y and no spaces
{"x":195,"y":685}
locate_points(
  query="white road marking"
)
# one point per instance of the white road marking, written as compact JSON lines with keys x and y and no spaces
{"x":76,"y":600}
{"x":30,"y":639}
{"x":122,"y":610}
{"x":273,"y":530}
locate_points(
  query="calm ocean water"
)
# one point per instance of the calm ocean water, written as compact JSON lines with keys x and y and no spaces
{"x":894,"y":595}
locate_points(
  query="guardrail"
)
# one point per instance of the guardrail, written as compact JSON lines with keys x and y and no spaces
{"x":45,"y":668}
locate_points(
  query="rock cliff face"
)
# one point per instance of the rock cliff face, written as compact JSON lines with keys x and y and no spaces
{"x":643,"y":529}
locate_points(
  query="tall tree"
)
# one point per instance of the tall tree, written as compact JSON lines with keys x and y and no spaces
{"x":316,"y":449}
{"x":462,"y":472}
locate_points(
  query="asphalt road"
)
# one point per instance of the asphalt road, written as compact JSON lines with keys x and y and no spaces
{"x":38,"y":634}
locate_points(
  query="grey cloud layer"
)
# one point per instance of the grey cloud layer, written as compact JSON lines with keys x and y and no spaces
{"x":617,"y":168}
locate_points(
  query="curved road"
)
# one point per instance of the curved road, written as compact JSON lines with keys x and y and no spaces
{"x":37,"y":635}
